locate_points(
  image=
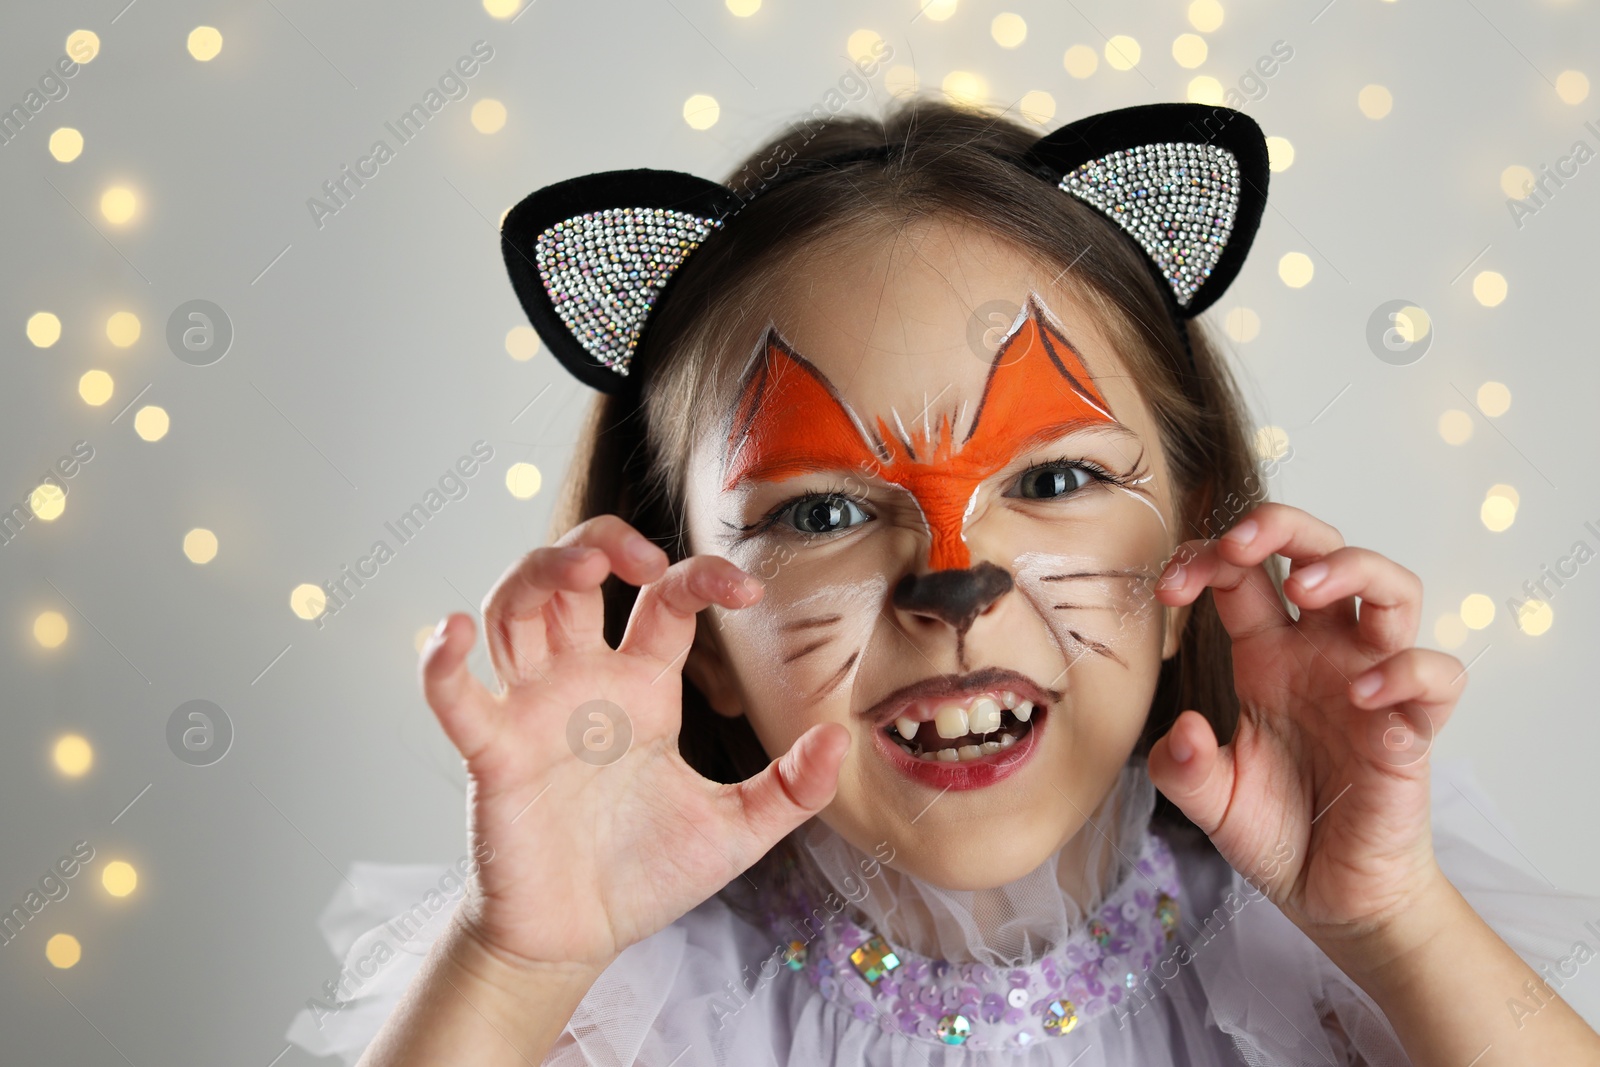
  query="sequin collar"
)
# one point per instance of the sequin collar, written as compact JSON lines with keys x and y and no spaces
{"x":982,"y":1007}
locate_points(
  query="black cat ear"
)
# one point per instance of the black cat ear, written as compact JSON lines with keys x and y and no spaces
{"x":1187,"y":181}
{"x":590,"y":256}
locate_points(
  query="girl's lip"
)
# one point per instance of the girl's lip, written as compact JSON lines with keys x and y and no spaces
{"x":965,"y":774}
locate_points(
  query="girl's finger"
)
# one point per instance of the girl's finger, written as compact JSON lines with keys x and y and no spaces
{"x":549,"y":601}
{"x":1201,"y":782}
{"x":1391,"y":596}
{"x":459,"y":701}
{"x":791,"y":789}
{"x":1425,"y":677}
{"x":662,"y":625}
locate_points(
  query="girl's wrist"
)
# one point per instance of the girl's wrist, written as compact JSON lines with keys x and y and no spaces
{"x":1387,"y":953}
{"x":469,"y":951}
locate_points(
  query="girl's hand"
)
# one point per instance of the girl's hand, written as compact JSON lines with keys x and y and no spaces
{"x":599,"y":838}
{"x":1321,"y":797}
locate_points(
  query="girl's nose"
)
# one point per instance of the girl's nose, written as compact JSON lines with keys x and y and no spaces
{"x":956,"y":596}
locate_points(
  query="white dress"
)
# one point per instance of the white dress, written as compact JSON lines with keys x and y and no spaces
{"x":1180,"y":962}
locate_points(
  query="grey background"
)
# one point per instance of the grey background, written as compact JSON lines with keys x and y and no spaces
{"x":370,"y":356}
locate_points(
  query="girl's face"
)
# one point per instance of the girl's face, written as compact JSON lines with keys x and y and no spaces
{"x":951,"y":515}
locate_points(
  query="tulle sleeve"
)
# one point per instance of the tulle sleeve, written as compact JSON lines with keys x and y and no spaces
{"x":1283,"y":1002}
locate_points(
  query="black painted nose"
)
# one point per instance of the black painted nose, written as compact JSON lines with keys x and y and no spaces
{"x":956,"y":596}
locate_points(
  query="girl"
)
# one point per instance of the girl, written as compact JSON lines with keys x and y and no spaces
{"x":894,"y":587}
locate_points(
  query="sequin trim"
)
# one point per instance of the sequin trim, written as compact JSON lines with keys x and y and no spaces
{"x":1178,"y":200}
{"x":985,"y":1008}
{"x":604,"y":269}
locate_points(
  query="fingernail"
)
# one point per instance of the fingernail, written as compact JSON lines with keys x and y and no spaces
{"x":1367,"y":684}
{"x":1181,"y":750}
{"x":640,"y":548}
{"x":744,"y":590}
{"x":1170,"y":575}
{"x":1243,"y":533}
{"x":438,"y":631}
{"x":1313,"y":574}
{"x":574,"y":553}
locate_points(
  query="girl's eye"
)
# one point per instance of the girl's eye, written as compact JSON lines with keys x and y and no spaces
{"x":824,"y":514}
{"x":1052,"y":480}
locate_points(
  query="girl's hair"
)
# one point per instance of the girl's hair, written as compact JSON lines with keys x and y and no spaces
{"x":955,"y":164}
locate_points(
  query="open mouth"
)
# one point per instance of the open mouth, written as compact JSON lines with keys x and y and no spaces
{"x":960,"y":733}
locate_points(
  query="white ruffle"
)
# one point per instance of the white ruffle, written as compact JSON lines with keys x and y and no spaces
{"x":1255,"y":990}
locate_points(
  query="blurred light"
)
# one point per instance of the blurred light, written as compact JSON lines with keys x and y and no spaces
{"x":1516,"y":181}
{"x":1296,"y":269}
{"x":48,"y":502}
{"x":73,"y":756}
{"x":1497,"y":513}
{"x":95,"y":387}
{"x":1080,"y":60}
{"x":200,"y":545}
{"x":1189,"y":49}
{"x":1242,"y":324}
{"x":1489,"y":287}
{"x":44,"y":329}
{"x":1534,"y":617}
{"x":965,"y":88}
{"x":307,"y":601}
{"x":66,"y":144}
{"x":1572,"y":86}
{"x":488,"y":115}
{"x":122,"y":329}
{"x":1271,"y":442}
{"x":522,"y":343}
{"x":1122,"y":52}
{"x":523,"y":480}
{"x":701,"y":111}
{"x":1494,"y":398}
{"x":502,"y":9}
{"x":50,"y":629}
{"x":63,"y":951}
{"x":1477,"y":611}
{"x":420,"y":638}
{"x":119,"y":878}
{"x":1280,"y":153}
{"x":901,"y":81}
{"x":744,"y":8}
{"x":83,"y":45}
{"x":1205,"y":15}
{"x":151,"y":423}
{"x":1450,"y":631}
{"x":939,"y":10}
{"x":1509,"y":492}
{"x":1205,"y":90}
{"x":863,"y":46}
{"x":118,"y":204}
{"x":1037,"y":106}
{"x":1375,"y":101}
{"x":1008,"y":29}
{"x":503,"y":215}
{"x":204,"y":43}
{"x":1455,"y":426}
{"x":1412,"y":324}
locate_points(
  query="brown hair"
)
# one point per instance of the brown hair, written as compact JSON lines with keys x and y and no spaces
{"x":944,"y":161}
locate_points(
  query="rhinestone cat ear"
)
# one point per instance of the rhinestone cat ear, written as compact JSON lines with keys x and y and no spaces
{"x":590,"y":257}
{"x":1188,"y":182}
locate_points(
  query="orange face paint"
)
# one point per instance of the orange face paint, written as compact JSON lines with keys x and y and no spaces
{"x":790,"y":420}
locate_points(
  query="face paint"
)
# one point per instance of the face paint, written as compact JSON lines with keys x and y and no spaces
{"x":790,"y":420}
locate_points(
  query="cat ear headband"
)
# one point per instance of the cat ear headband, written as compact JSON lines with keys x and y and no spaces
{"x":591,"y":257}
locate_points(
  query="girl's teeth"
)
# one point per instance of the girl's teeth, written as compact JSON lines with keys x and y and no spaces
{"x":1023,"y":711}
{"x":1009,"y":699}
{"x":946,"y":755}
{"x":1007,"y":740}
{"x":968,"y":752}
{"x":988,"y":747}
{"x":984,"y":718}
{"x":950,"y":721}
{"x":907,"y":727}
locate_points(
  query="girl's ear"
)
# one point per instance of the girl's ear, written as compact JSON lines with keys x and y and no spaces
{"x":1172,"y":636}
{"x":707,"y":667}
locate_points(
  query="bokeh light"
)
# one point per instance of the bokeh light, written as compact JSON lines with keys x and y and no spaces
{"x":1477,"y":611}
{"x":1280,"y":154}
{"x":1080,"y":61}
{"x":1190,"y":50}
{"x":1489,"y":287}
{"x":1037,"y":106}
{"x":1534,"y":617}
{"x":522,"y":343}
{"x":44,"y":329}
{"x":307,"y":601}
{"x":204,"y":43}
{"x":1494,"y":399}
{"x":523,"y":480}
{"x":95,"y":387}
{"x":1572,"y":86}
{"x":72,"y":755}
{"x":488,"y":116}
{"x":48,"y":501}
{"x":200,"y":545}
{"x":1008,"y":29}
{"x":63,"y":951}
{"x":119,"y":878}
{"x":118,"y":204}
{"x":1296,"y":269}
{"x":1455,"y":426}
{"x":50,"y":629}
{"x":1122,"y":52}
{"x":1375,"y":101}
{"x":1205,"y":15}
{"x":701,"y":111}
{"x":151,"y":423}
{"x":122,"y":329}
{"x":1242,"y":324}
{"x":66,"y":144}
